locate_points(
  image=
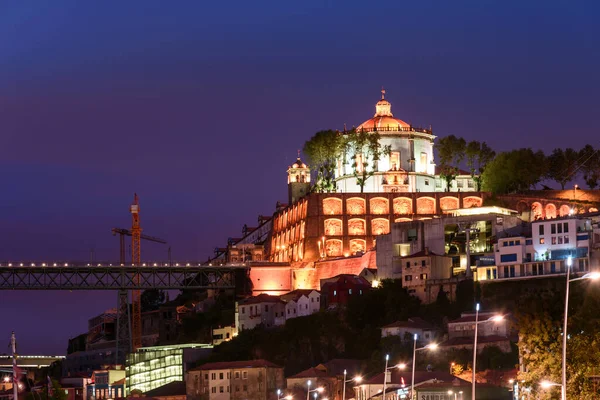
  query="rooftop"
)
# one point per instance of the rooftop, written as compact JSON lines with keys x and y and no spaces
{"x":261,"y":298}
{"x":176,"y":388}
{"x":404,"y":377}
{"x":237,"y":364}
{"x":415,"y":322}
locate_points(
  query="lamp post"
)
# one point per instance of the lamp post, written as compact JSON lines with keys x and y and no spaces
{"x":548,"y":384}
{"x":590,"y":275}
{"x":356,"y":379}
{"x":431,"y":346}
{"x":316,"y":390}
{"x":495,"y":318}
{"x":387,"y":357}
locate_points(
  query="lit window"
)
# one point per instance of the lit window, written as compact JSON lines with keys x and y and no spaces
{"x":542,"y":241}
{"x":349,"y":291}
{"x":335,"y":292}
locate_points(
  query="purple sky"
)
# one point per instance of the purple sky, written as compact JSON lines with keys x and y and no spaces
{"x":200,"y":107}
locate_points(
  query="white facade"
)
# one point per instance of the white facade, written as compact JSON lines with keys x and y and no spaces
{"x":410,"y":167}
{"x":303,"y":305}
{"x":465,"y":326}
{"x":225,"y":334}
{"x":263,"y":309}
{"x":425,"y":334}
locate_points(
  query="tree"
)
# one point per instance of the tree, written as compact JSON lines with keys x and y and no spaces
{"x":514,"y":171}
{"x":323,"y":151}
{"x":478,"y":156}
{"x":365,"y":150}
{"x":590,"y":165}
{"x":562,"y":165}
{"x":451,"y":151}
{"x":152,"y":299}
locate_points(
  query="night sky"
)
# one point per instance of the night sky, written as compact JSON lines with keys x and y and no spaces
{"x":200,"y":108}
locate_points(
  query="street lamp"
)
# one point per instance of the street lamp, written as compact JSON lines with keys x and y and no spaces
{"x":450,"y":392}
{"x":315,"y":391}
{"x":356,"y":379}
{"x":590,"y":275}
{"x":279,"y":395}
{"x":495,"y":318}
{"x":431,"y":346}
{"x":387,"y":357}
{"x":548,"y":384}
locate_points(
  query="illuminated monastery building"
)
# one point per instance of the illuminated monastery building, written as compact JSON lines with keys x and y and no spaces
{"x":321,"y":235}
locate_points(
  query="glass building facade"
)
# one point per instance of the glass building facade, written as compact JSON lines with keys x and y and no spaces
{"x":152,"y":367}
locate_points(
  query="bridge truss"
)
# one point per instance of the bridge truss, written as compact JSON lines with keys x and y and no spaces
{"x":107,"y":276}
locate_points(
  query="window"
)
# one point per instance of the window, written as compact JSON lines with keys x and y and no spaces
{"x":237,"y":374}
{"x":266,"y":307}
{"x":349,"y":291}
{"x":395,"y":161}
{"x":422,"y":263}
{"x":542,"y":241}
{"x":306,"y":305}
{"x":559,"y":228}
{"x":213,"y":389}
{"x":560,"y":240}
{"x":553,"y":268}
{"x":205,"y":377}
{"x":511,"y":243}
{"x":220,"y":375}
{"x":227,"y":389}
{"x":243,"y":310}
{"x":221,"y":390}
{"x":423,"y":276}
{"x":470,"y":183}
{"x":288,"y":311}
{"x":566,"y":240}
{"x":408,"y":264}
{"x":245,"y":376}
{"x":335,"y":292}
{"x":541,"y":229}
{"x":553,"y":239}
{"x":237,"y":388}
{"x":512,"y":271}
{"x":360,"y":291}
{"x":312,"y":300}
{"x":566,"y":226}
{"x":213,"y":376}
{"x":459,"y":183}
{"x":506,"y":272}
{"x":528,"y":241}
{"x":408,"y":278}
{"x":505,"y":258}
{"x":517,"y":242}
{"x":426,"y":182}
{"x":229,"y":375}
{"x":504,"y":244}
{"x":245,"y":388}
{"x":553,"y":229}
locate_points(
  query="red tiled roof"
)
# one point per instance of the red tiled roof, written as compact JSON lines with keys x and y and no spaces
{"x":466,"y":340}
{"x":420,"y":376}
{"x":358,"y":280}
{"x":311,"y":373}
{"x":423,"y":253}
{"x":415,"y":323}
{"x":296,"y":294}
{"x":237,"y":364}
{"x":471,"y":317}
{"x":261,"y":298}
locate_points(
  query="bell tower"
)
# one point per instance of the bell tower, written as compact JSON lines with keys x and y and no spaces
{"x":298,"y":180}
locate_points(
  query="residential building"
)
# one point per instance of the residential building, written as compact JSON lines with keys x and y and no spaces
{"x":77,"y":385}
{"x":151,"y":367}
{"x":425,"y":273}
{"x":263,"y":309}
{"x":426,"y":332}
{"x":398,"y":384}
{"x":175,"y":390}
{"x":235,"y":380}
{"x":107,"y":384}
{"x":301,"y":302}
{"x":338,"y":290}
{"x":446,"y":236}
{"x":223,"y":334}
{"x":490,"y":332}
{"x":547,"y":249}
{"x":329,"y":376}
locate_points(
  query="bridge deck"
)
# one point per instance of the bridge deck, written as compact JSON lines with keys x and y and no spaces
{"x":113,"y":276}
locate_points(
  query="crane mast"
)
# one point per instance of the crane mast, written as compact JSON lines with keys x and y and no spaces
{"x":136,"y":259}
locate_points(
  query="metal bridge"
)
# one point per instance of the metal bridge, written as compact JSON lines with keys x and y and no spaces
{"x":114,"y":276}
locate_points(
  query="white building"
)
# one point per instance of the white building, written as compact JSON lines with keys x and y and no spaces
{"x":409,"y":168}
{"x":262,"y":309}
{"x":488,"y":326}
{"x":224,"y":334}
{"x":546,"y":252}
{"x":301,"y":302}
{"x":235,"y":380}
{"x":425,"y":331}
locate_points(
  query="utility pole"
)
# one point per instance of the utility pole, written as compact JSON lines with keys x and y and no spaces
{"x":13,"y":343}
